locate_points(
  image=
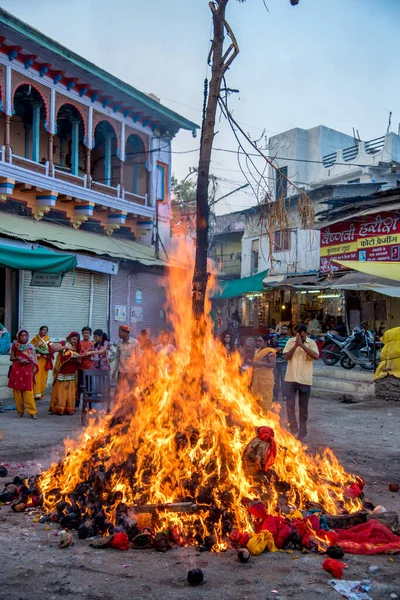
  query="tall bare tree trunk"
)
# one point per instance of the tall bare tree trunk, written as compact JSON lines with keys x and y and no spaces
{"x":200,"y":275}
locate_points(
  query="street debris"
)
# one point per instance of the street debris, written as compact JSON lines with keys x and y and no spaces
{"x":333,"y":566}
{"x":243,"y":555}
{"x":335,"y":552}
{"x":195,"y":577}
{"x":353,"y":590}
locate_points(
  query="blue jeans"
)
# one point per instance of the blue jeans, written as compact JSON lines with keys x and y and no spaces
{"x":280,"y":385}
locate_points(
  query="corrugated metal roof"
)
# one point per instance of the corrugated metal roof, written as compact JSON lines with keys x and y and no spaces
{"x":77,"y":240}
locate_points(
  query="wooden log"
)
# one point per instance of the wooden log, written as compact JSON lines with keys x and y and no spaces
{"x":346,"y":521}
{"x":175,"y":507}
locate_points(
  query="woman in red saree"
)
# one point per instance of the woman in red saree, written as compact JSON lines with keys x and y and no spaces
{"x":22,"y":374}
{"x":63,"y":396}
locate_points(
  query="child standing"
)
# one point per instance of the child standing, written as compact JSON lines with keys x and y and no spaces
{"x":86,"y":363}
{"x":22,"y":374}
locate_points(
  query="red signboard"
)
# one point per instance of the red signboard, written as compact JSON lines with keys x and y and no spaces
{"x":372,"y":238}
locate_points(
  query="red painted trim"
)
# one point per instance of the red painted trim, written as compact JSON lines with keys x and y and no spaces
{"x":72,"y":103}
{"x":32,"y":84}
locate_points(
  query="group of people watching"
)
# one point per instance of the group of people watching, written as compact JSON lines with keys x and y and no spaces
{"x":32,"y":360}
{"x":281,"y":368}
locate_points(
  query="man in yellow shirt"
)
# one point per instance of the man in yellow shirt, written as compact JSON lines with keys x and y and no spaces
{"x":300,"y":351}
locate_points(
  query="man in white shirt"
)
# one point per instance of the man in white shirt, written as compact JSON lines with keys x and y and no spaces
{"x":300,"y":351}
{"x":127,"y":357}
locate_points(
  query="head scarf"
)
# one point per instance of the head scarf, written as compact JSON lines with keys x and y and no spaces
{"x":267,"y":435}
{"x":22,"y":347}
{"x":75,"y":334}
{"x":125,"y":328}
{"x":22,"y":331}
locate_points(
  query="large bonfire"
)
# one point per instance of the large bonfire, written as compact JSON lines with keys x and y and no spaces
{"x":178,"y":438}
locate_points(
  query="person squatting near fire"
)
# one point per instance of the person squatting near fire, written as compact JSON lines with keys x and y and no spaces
{"x":300,"y":351}
{"x":127,"y":359}
{"x":44,"y":360}
{"x":22,"y":374}
{"x":263,"y":374}
{"x":63,"y":396}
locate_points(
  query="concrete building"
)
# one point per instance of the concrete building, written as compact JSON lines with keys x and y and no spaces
{"x":319,"y":156}
{"x":85,"y":168}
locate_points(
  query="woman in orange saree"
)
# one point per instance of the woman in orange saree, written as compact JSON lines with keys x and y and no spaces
{"x":63,"y":396}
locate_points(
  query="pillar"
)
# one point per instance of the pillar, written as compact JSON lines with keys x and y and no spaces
{"x":50,"y":140}
{"x":88,"y":165}
{"x":121,"y":174}
{"x":107,"y":159}
{"x":75,"y":147}
{"x":135,"y":178}
{"x":7,"y":136}
{"x":62,"y":153}
{"x":36,"y":132}
{"x":28,"y":129}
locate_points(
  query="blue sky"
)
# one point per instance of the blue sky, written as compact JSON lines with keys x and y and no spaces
{"x":331,"y":62}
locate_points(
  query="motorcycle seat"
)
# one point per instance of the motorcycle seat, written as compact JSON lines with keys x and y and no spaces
{"x":340,"y":338}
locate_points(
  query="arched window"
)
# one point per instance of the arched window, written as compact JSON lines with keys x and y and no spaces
{"x":28,"y":133}
{"x":135,"y":171}
{"x":69,"y":151}
{"x":105,"y":163}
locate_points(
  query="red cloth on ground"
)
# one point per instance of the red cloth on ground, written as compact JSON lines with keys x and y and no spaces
{"x":120,"y":541}
{"x":267,"y":435}
{"x":284,"y":533}
{"x":256,"y":509}
{"x":239,"y":537}
{"x":334,"y":566}
{"x":368,"y":538}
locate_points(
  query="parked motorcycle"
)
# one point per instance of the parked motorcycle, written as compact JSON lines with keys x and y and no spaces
{"x":359,"y":350}
{"x":332,"y":348}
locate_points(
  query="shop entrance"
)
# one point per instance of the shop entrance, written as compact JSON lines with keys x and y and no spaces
{"x":9,"y":299}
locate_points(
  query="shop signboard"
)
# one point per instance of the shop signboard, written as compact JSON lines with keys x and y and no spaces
{"x":372,"y":238}
{"x":46,"y":279}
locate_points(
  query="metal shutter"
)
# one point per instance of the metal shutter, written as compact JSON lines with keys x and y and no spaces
{"x":119,"y":296}
{"x":62,"y":309}
{"x":153,"y":302}
{"x":100,"y":308}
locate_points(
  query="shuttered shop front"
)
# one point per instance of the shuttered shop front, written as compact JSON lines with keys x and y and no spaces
{"x":141,"y":297}
{"x":68,"y":307}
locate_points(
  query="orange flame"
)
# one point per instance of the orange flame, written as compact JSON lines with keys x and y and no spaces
{"x":170,"y":440}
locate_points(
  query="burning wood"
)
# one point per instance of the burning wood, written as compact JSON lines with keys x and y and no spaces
{"x":179,"y":455}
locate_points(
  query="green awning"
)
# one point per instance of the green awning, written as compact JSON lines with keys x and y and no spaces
{"x":239,"y":287}
{"x":36,"y":259}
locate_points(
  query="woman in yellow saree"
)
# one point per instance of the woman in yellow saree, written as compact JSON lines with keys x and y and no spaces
{"x":263,"y":374}
{"x":44,"y":359}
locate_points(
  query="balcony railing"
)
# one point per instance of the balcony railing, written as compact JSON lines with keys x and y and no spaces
{"x":31,"y":165}
{"x":374,"y":146}
{"x":229,"y":264}
{"x":69,"y":178}
{"x":61,"y":180}
{"x":348,"y":154}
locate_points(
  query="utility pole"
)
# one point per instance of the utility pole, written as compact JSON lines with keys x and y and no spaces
{"x":220,"y":63}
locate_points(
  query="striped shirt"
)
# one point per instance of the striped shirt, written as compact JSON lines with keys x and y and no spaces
{"x":281,"y":343}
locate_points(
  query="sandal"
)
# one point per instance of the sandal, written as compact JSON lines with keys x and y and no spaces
{"x":19,"y":415}
{"x":34,"y":417}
